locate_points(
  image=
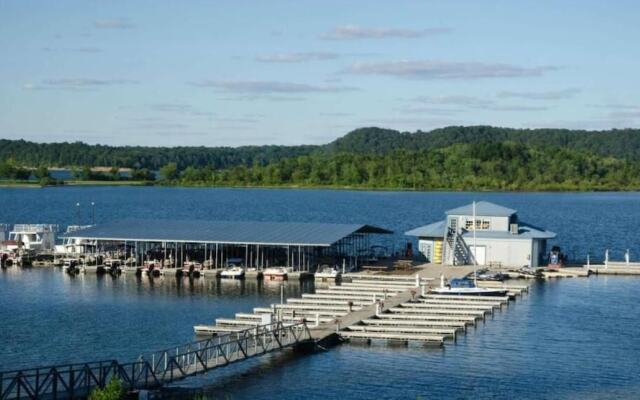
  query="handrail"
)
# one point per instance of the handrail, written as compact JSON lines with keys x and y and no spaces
{"x":78,"y":379}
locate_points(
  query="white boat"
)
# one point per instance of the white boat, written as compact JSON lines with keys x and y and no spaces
{"x":327,"y":273}
{"x":233,"y":273}
{"x":191,"y":268}
{"x":275,"y":274}
{"x":466,"y":287}
{"x":35,"y":237}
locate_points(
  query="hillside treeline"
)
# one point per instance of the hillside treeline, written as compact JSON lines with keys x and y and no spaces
{"x":478,"y":166}
{"x":623,"y":144}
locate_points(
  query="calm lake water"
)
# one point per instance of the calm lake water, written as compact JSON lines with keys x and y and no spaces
{"x":572,"y":338}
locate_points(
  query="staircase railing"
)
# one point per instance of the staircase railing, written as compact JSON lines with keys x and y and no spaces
{"x":153,"y":370}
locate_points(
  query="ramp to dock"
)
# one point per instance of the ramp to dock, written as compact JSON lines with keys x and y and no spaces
{"x":155,"y":369}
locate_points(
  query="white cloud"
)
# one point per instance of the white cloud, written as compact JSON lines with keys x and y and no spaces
{"x":457,"y":100}
{"x":113,"y":24}
{"x":548,"y":95}
{"x":268,"y":87}
{"x":468,"y":102}
{"x":445,"y":70}
{"x":350,"y":32}
{"x":297,"y":57}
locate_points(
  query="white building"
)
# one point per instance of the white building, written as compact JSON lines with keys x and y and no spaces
{"x":500,"y":239}
{"x":40,"y":237}
{"x":4,"y":232}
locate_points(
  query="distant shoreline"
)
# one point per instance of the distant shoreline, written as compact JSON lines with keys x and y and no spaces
{"x":75,"y":183}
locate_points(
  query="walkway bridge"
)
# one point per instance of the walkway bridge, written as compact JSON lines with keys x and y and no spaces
{"x":153,"y":370}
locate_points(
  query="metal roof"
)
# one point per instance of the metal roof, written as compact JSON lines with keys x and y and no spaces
{"x":483,"y":209}
{"x":432,"y":230}
{"x":525,"y":231}
{"x":264,"y":233}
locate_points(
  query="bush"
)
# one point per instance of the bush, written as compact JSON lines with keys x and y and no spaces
{"x":113,"y":391}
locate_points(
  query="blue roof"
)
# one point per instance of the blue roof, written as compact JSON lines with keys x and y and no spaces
{"x":264,"y":233}
{"x":525,"y":231}
{"x":483,"y":209}
{"x":432,"y":230}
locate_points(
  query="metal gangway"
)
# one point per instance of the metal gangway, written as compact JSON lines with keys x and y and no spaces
{"x":155,"y":369}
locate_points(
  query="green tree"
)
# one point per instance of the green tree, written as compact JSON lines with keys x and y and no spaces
{"x":114,"y":172}
{"x":169,"y":172}
{"x":112,"y":391}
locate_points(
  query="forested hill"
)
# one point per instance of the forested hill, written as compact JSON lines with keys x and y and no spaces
{"x":79,"y":154}
{"x":623,"y":144}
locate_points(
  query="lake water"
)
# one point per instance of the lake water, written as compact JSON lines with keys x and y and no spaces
{"x":572,"y":338}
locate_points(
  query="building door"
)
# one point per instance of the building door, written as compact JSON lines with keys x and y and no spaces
{"x":453,"y":223}
{"x":480,"y":253}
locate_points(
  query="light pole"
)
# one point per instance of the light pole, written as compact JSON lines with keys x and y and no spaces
{"x":78,"y":213}
{"x":93,"y":213}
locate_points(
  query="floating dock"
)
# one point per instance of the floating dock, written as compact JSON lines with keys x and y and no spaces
{"x":374,"y":307}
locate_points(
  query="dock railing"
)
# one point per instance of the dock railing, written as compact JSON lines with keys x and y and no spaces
{"x":154,"y":369}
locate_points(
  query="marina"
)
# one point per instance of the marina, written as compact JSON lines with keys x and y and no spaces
{"x":391,"y":303}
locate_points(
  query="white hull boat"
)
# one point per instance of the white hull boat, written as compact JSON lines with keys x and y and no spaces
{"x":275,"y":274}
{"x":465,"y":287}
{"x":327,"y":274}
{"x":233,"y":273}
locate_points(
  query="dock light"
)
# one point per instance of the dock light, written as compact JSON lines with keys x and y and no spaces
{"x":93,"y":213}
{"x":78,"y":213}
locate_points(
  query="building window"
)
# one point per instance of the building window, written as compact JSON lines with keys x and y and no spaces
{"x":481,"y":224}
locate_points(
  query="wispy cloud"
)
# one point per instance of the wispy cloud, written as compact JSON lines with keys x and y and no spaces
{"x":446,"y":70}
{"x":615,"y":106}
{"x":263,"y":97}
{"x":269,"y":87}
{"x":297,"y":57}
{"x":468,"y":102}
{"x":113,"y":24}
{"x":351,"y":32}
{"x":77,"y":83}
{"x":456,"y":100}
{"x":171,"y":107}
{"x":74,"y":49}
{"x":630,"y":114}
{"x":430,"y":110}
{"x":336,"y":114}
{"x":547,"y":95}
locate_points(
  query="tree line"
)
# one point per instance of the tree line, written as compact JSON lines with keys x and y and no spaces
{"x":624,"y":144}
{"x":476,"y":166}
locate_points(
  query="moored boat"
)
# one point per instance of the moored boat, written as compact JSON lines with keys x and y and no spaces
{"x":327,"y":273}
{"x":275,"y":274}
{"x":466,"y":287}
{"x":233,"y":273}
{"x":191,"y":269}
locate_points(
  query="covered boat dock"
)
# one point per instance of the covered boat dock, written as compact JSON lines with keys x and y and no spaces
{"x":216,"y":244}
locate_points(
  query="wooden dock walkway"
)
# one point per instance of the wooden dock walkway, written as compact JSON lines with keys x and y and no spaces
{"x":374,"y":306}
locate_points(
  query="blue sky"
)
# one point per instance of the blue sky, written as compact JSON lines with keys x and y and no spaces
{"x":233,"y":73}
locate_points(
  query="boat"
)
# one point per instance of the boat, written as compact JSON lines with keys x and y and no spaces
{"x":151,"y":268}
{"x":112,"y":265}
{"x":327,"y":273}
{"x":71,"y":265}
{"x":275,"y":274}
{"x":486,"y":275}
{"x":466,"y":287}
{"x":233,"y":273}
{"x":191,"y":269}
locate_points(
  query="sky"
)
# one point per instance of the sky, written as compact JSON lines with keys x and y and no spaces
{"x":233,"y":73}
